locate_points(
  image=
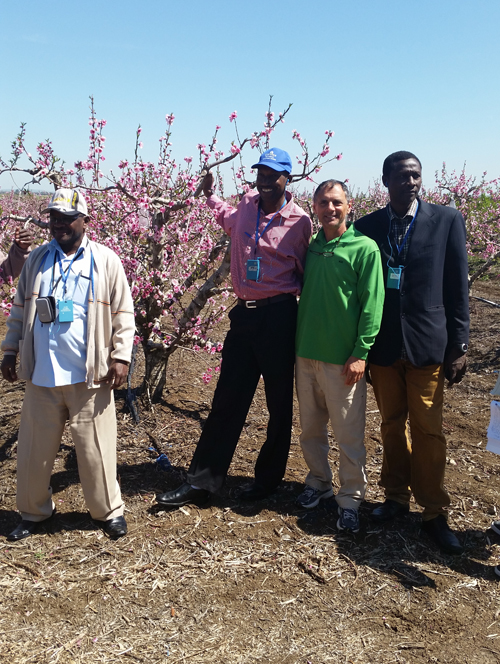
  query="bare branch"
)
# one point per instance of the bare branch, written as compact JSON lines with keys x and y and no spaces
{"x":26,"y":220}
{"x":206,"y":290}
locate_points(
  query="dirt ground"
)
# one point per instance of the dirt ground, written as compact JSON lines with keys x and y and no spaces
{"x":238,"y":583}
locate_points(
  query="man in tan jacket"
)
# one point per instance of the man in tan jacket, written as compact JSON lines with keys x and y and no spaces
{"x":72,"y":324}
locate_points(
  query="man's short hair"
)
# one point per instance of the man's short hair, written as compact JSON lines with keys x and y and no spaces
{"x":393,"y":159}
{"x":329,"y":184}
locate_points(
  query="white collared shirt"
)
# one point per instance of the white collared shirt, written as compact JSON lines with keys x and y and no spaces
{"x":61,"y":348}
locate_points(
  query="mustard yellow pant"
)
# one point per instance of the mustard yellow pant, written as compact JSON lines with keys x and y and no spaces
{"x":92,"y":421}
{"x":416,"y":462}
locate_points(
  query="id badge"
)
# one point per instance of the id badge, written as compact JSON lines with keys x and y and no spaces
{"x":253,"y":269}
{"x":394,"y":277}
{"x":65,"y":311}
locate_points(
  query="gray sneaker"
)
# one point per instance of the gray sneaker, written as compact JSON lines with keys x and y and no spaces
{"x":348,"y":520}
{"x":310,"y":497}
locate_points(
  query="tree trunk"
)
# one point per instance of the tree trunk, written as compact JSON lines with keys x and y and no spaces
{"x":155,"y":374}
{"x":483,"y":269}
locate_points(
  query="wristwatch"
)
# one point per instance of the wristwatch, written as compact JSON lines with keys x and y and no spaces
{"x":463,"y":347}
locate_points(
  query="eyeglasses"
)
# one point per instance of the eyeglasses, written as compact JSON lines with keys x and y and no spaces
{"x":326,"y":254}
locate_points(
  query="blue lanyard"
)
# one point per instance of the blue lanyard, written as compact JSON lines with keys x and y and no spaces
{"x":257,"y":236}
{"x":400,"y":247}
{"x":65,"y":275}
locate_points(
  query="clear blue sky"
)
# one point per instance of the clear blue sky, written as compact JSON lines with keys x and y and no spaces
{"x":385,"y":75}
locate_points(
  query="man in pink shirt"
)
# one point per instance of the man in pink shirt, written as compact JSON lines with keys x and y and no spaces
{"x":269,"y":239}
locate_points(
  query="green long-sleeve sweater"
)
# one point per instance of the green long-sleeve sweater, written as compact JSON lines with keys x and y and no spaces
{"x":340,"y":308}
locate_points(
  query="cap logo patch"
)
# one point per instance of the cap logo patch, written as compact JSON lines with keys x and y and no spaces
{"x":62,"y":199}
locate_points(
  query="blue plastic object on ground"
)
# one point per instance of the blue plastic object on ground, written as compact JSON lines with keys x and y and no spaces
{"x":163,"y":462}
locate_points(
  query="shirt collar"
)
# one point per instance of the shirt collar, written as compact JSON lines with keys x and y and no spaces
{"x":321,"y":239}
{"x":285,"y":210}
{"x":55,"y":248}
{"x":409,"y":213}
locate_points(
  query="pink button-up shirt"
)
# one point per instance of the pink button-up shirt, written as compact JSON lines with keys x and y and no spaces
{"x":282,"y":249}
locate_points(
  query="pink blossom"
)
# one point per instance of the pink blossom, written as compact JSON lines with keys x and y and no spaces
{"x":233,"y":116}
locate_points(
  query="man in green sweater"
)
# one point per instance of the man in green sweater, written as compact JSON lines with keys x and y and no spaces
{"x":339,"y":316}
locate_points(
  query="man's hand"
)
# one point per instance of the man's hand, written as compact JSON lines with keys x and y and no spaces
{"x":354,"y":370}
{"x":455,"y":366}
{"x":8,"y":368}
{"x":116,"y":376}
{"x":208,"y":183}
{"x":23,"y":238}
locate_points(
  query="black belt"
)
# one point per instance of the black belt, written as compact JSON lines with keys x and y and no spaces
{"x":253,"y":304}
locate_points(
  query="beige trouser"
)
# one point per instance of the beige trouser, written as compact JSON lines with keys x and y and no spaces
{"x":403,"y":390}
{"x":323,"y":395}
{"x":92,"y":421}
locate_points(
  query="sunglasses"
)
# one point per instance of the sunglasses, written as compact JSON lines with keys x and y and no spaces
{"x":64,"y":218}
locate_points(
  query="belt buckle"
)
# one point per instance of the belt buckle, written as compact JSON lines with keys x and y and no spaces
{"x":251,"y":304}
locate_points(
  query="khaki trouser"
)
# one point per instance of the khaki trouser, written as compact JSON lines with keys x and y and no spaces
{"x":323,"y":395}
{"x":92,"y":421}
{"x":403,"y":389}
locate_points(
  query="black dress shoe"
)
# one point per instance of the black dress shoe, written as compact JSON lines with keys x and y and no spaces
{"x":114,"y":528}
{"x":24,"y":529}
{"x":439,"y":531}
{"x":184,"y":495}
{"x":255,"y":492}
{"x":389,"y":510}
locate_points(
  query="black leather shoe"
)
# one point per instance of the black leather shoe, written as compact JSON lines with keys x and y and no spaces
{"x":184,"y":495}
{"x":389,"y":510}
{"x":114,"y":528}
{"x":254,"y":492}
{"x":24,"y":529}
{"x":439,"y":531}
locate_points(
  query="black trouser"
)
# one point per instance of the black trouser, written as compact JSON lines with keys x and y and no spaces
{"x":260,"y":341}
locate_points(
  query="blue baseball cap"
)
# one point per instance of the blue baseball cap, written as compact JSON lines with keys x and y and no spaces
{"x":277,"y":159}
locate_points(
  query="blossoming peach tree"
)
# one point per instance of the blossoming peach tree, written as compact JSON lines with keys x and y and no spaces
{"x":175,"y":256}
{"x":479,"y":203}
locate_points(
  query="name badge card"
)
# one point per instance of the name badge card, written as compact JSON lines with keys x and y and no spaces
{"x":394,"y":277}
{"x":65,"y":311}
{"x":253,"y":269}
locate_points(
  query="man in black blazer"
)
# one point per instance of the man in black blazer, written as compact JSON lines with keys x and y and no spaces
{"x":422,"y":340}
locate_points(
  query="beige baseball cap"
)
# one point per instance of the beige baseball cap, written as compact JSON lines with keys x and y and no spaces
{"x":67,"y":201}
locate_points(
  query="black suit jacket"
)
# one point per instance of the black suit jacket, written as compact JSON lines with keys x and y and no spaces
{"x":430,"y":311}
